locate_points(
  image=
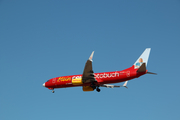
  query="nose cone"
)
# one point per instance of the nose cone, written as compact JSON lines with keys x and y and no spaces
{"x":44,"y":85}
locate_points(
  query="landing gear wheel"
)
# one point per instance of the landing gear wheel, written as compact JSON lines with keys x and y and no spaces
{"x":93,"y":86}
{"x":98,"y":90}
{"x":52,"y":91}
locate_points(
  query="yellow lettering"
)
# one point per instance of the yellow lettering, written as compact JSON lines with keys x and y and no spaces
{"x":61,"y":79}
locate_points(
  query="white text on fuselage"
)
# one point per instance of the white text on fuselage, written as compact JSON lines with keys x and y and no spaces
{"x":107,"y":75}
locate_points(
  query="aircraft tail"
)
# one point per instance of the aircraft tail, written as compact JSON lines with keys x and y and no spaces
{"x":142,"y":61}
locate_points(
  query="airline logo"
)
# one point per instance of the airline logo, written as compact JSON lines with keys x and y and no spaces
{"x":139,"y":63}
{"x":61,"y":79}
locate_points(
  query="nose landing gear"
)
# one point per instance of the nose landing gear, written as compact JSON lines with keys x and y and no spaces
{"x":53,"y":90}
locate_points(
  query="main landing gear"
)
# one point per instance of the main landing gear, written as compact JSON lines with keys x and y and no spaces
{"x":95,"y":87}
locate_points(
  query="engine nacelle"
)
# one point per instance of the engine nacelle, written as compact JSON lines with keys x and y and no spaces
{"x":87,"y":88}
{"x":77,"y":81}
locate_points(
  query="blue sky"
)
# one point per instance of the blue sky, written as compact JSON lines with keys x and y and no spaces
{"x":42,"y":39}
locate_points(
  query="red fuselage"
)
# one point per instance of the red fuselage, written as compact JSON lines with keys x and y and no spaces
{"x":102,"y":78}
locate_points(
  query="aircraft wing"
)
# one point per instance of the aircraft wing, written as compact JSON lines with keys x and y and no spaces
{"x":88,"y":74}
{"x":109,"y":86}
{"x":112,"y":86}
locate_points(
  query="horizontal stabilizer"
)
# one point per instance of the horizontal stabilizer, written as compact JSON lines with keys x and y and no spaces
{"x":151,"y":73}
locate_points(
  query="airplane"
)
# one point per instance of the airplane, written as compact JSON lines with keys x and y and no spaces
{"x":91,"y":81}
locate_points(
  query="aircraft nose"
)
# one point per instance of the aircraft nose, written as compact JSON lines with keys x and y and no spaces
{"x":44,"y":85}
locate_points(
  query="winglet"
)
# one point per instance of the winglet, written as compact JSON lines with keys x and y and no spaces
{"x":124,"y":85}
{"x":91,"y":56}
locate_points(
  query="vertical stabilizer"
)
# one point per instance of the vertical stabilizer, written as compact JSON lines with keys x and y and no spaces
{"x":143,"y":58}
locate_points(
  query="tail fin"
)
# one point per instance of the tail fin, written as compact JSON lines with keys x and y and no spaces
{"x":142,"y":61}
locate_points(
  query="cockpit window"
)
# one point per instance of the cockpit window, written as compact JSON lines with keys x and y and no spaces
{"x":47,"y":81}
